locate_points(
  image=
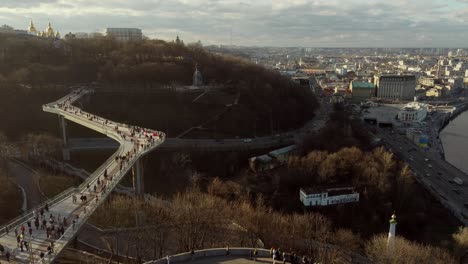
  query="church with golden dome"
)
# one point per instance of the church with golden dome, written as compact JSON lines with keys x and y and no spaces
{"x":47,"y":33}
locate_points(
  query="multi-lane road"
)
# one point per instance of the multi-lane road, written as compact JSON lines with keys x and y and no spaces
{"x":433,"y":172}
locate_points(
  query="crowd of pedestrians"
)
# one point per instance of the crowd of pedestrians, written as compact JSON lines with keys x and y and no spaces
{"x":142,"y":138}
{"x":54,"y":226}
{"x":43,"y":220}
{"x":279,"y":256}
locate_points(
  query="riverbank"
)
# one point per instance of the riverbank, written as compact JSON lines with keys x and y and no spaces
{"x":454,"y":138}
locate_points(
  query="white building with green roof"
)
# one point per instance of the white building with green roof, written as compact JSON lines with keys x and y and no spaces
{"x":361,"y":91}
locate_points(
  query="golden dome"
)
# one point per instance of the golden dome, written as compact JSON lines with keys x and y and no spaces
{"x":50,"y":31}
{"x":31,"y":28}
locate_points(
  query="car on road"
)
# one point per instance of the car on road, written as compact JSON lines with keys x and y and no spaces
{"x":247,"y":140}
{"x":428,"y":175}
{"x":458,"y":181}
{"x":430,"y":166}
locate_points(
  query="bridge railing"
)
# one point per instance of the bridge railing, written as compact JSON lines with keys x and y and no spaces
{"x":30,"y":214}
{"x":83,"y":217}
{"x":11,"y":225}
{"x":213,"y":252}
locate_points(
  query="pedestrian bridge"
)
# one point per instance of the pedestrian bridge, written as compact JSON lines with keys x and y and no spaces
{"x":134,"y":142}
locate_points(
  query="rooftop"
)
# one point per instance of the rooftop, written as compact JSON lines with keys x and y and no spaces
{"x":363,"y":85}
{"x":328,"y":188}
{"x":405,"y":77}
{"x":262,"y":158}
{"x":281,"y":151}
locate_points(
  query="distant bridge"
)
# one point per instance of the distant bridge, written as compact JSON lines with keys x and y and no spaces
{"x":76,"y":144}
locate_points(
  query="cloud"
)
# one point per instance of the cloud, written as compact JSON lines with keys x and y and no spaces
{"x":24,"y":3}
{"x":260,"y":22}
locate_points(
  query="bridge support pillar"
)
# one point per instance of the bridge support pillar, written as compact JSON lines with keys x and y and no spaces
{"x":63,"y":132}
{"x":138,"y":179}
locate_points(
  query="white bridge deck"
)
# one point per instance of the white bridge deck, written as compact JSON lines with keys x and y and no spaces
{"x":132,"y":145}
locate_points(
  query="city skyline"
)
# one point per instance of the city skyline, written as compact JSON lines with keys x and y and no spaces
{"x":306,"y":23}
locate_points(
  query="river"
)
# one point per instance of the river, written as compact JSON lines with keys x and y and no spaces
{"x":455,"y":140}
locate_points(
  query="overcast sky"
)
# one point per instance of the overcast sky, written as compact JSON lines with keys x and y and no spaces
{"x":308,"y":23}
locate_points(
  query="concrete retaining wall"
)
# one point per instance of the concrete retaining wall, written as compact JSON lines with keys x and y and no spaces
{"x":215,"y":252}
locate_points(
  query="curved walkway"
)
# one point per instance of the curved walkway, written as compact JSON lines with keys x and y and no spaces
{"x":62,"y":210}
{"x":26,"y":177}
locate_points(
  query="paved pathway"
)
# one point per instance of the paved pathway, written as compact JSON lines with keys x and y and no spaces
{"x":27,"y":179}
{"x":134,"y":143}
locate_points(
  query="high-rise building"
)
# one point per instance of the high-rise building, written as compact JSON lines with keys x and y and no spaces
{"x":125,"y":34}
{"x":396,"y":87}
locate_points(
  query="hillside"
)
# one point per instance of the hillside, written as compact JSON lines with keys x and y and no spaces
{"x":150,"y":65}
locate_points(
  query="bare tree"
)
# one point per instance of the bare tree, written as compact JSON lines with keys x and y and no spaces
{"x":461,"y":242}
{"x":405,"y":252}
{"x":41,"y":145}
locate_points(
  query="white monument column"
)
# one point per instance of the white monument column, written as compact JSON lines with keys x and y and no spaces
{"x":391,"y":235}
